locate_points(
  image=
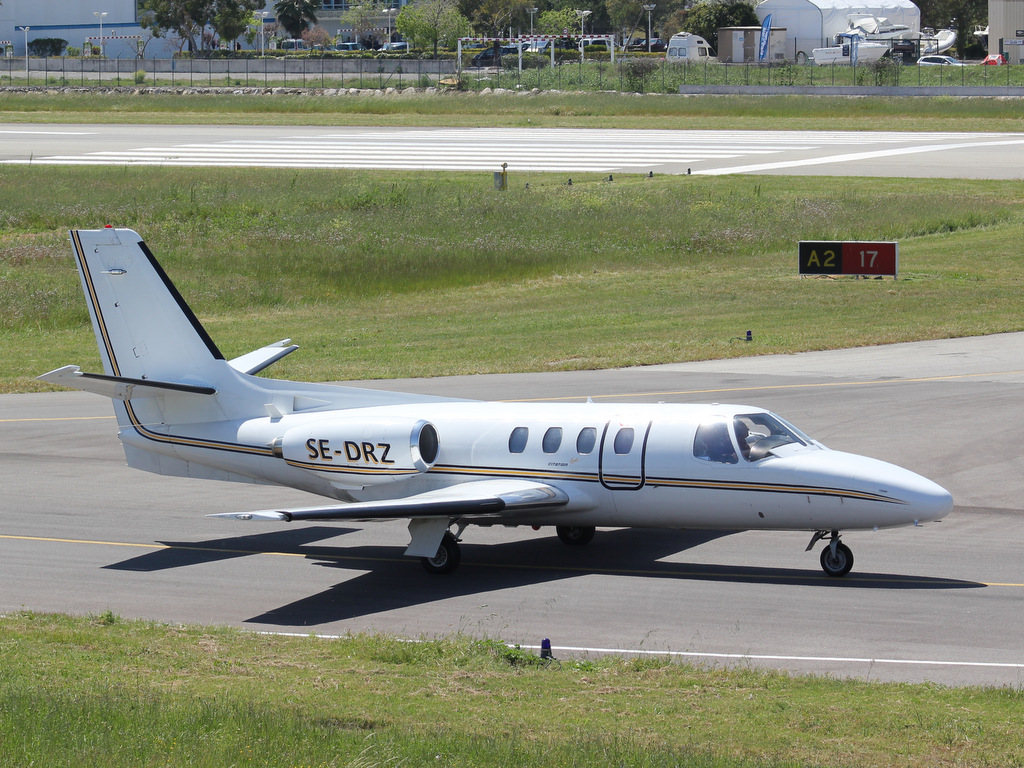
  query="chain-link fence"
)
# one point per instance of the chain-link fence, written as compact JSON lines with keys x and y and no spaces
{"x":640,"y":75}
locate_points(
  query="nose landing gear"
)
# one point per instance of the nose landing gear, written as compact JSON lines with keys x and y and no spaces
{"x":836,"y":558}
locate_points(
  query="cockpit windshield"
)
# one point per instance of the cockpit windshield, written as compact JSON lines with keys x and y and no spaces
{"x":750,"y":435}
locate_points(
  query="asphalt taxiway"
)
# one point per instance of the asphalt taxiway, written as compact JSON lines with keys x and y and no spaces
{"x":82,"y":533}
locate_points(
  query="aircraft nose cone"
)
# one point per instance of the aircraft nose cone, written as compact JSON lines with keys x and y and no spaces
{"x":924,"y":499}
{"x":934,"y":501}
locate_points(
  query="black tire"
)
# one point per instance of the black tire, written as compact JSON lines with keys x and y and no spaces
{"x":575,"y":535}
{"x":839,"y":565}
{"x":447,"y":559}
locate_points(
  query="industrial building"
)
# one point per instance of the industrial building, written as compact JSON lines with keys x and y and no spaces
{"x":83,"y":22}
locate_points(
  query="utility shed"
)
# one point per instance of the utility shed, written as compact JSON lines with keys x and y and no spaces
{"x":740,"y":44}
{"x":814,"y":24}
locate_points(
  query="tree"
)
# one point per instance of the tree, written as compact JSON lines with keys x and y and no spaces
{"x":231,"y":17}
{"x":317,"y":36}
{"x":961,"y":15}
{"x":627,"y":16}
{"x":361,"y":18}
{"x":186,"y":17}
{"x":557,"y":22}
{"x":430,"y":23}
{"x":495,"y":16}
{"x":47,"y":46}
{"x":707,"y":17}
{"x":296,"y":16}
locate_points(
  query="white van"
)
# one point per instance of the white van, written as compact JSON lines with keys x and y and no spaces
{"x":601,"y":42}
{"x":687,"y":47}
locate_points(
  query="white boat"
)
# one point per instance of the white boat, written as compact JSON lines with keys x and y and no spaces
{"x":878,"y":28}
{"x":849,"y":49}
{"x":937,"y":42}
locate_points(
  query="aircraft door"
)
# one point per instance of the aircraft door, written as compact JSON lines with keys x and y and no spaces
{"x":623,"y":453}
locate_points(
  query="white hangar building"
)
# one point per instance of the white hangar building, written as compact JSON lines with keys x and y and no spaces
{"x":811,"y":24}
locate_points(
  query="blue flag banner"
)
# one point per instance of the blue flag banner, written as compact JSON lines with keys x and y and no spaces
{"x":766,"y":29}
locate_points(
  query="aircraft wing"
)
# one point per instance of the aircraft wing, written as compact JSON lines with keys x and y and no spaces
{"x":498,"y":499}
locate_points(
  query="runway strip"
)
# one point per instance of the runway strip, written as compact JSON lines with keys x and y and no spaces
{"x":522,"y":149}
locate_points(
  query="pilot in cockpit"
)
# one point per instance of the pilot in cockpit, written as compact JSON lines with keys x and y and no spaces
{"x":742,"y":433}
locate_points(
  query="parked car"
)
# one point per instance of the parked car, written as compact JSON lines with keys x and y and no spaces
{"x":394,"y":47}
{"x":350,"y":47}
{"x":492,"y":58}
{"x":592,"y":42}
{"x":657,"y":45}
{"x":935,"y":59}
{"x":293,"y":45}
{"x":995,"y":58}
{"x":561,"y":44}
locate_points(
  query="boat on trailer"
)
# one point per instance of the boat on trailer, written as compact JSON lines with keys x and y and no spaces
{"x":850,"y":49}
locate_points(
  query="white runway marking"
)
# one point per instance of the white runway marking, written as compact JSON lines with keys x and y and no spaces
{"x":539,"y":149}
{"x":794,"y":659}
{"x":855,"y":157}
{"x":48,"y":133}
{"x":718,"y":656}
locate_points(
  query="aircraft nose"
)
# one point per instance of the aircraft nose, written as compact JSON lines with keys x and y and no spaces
{"x":924,"y":499}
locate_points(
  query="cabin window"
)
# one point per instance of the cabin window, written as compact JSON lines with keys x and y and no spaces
{"x":712,"y":443}
{"x":586,"y":441}
{"x":623,"y":441}
{"x":517,"y":440}
{"x":552,"y":440}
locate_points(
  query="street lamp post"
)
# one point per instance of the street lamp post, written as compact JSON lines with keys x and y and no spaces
{"x":25,"y":30}
{"x":532,"y":12}
{"x":583,"y":18}
{"x":99,"y":15}
{"x":649,"y":7}
{"x":389,"y":11}
{"x":263,"y":35}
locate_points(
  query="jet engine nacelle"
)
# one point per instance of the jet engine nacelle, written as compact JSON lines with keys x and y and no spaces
{"x":356,"y":452}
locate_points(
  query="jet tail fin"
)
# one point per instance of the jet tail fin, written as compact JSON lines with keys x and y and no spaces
{"x":143,"y":327}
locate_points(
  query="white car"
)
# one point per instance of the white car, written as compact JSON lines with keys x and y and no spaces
{"x":936,"y":60}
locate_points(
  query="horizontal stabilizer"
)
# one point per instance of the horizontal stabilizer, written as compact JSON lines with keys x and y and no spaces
{"x":501,"y":499}
{"x":118,"y":387}
{"x":264,"y":357}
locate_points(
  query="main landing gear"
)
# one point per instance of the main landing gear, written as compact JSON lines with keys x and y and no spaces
{"x":836,"y":558}
{"x":448,"y":556}
{"x":575,"y":535}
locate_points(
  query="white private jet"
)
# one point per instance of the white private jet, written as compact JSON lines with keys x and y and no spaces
{"x":444,"y":463}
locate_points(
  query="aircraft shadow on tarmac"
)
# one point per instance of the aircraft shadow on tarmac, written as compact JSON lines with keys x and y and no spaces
{"x":392,"y":581}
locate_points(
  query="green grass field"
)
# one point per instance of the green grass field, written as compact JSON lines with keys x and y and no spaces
{"x":98,"y":691}
{"x":383,"y":275}
{"x":585,"y":110}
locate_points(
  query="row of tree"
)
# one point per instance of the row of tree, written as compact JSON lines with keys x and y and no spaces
{"x":432,"y":24}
